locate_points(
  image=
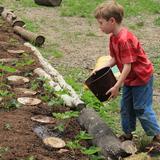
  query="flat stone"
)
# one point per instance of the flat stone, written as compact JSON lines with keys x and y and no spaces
{"x":25,"y":91}
{"x":29,"y":101}
{"x":43,"y":119}
{"x":54,"y":142}
{"x":17,"y":79}
{"x":15,"y":51}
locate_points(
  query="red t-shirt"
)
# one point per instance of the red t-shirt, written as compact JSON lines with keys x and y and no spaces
{"x":125,"y":48}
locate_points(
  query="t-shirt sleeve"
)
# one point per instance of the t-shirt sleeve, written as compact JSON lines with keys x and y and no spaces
{"x":128,"y":52}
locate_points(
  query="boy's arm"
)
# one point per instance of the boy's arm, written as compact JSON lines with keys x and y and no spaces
{"x":115,"y":89}
{"x":111,"y":62}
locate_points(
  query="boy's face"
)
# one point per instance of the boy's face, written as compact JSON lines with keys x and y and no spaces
{"x":106,"y":26}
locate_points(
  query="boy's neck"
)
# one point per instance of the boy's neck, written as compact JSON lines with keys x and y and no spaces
{"x":117,"y":29}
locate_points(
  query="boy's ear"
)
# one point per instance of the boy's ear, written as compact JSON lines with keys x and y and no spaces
{"x":112,"y":20}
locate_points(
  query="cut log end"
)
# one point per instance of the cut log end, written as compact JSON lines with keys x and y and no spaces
{"x":1,"y":9}
{"x":18,"y":23}
{"x":39,"y":40}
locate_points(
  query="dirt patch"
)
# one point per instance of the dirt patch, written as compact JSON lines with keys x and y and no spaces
{"x":80,"y":39}
{"x":17,"y":138}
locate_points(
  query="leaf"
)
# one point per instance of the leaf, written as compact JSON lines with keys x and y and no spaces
{"x":73,"y":144}
{"x":83,"y":136}
{"x":7,"y":68}
{"x":91,"y":150}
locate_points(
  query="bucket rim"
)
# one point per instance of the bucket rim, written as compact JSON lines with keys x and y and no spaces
{"x":109,"y":68}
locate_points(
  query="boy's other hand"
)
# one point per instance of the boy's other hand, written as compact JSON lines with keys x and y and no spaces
{"x":114,"y":92}
{"x":94,"y":71}
{"x":97,"y":69}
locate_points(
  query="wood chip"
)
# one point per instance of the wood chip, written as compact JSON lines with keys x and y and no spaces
{"x":15,"y":51}
{"x":63,"y":151}
{"x":17,"y":79}
{"x":29,"y":101}
{"x":43,"y":119}
{"x":25,"y":91}
{"x":54,"y":142}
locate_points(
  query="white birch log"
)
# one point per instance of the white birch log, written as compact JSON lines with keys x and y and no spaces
{"x":40,"y":72}
{"x":53,"y":72}
{"x":68,"y":100}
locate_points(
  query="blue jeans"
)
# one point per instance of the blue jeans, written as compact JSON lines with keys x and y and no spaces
{"x":136,"y":102}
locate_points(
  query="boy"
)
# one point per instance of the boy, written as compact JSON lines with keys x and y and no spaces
{"x":136,"y":73}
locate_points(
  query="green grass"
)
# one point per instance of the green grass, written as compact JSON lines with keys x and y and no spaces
{"x":52,"y":51}
{"x":18,"y":3}
{"x":30,"y":25}
{"x":138,"y":7}
{"x":85,"y":8}
{"x":80,"y":8}
{"x":157,"y":21}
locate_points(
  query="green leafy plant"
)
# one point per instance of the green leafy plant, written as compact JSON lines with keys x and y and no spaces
{"x":48,"y":88}
{"x":55,"y":102}
{"x":45,"y":98}
{"x":60,"y":127}
{"x":7,"y":126}
{"x":66,"y":115}
{"x":4,"y":93}
{"x":34,"y":85}
{"x":97,"y":157}
{"x":7,"y":68}
{"x":3,"y":150}
{"x":90,"y":151}
{"x":83,"y":136}
{"x":25,"y":62}
{"x":73,"y":144}
{"x":13,"y":103}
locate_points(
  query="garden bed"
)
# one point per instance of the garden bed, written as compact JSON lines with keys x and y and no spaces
{"x":18,"y":139}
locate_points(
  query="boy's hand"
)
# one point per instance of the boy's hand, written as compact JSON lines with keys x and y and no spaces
{"x":114,"y":92}
{"x":95,"y":70}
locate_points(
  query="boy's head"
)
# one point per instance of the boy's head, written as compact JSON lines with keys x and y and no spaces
{"x":111,"y":12}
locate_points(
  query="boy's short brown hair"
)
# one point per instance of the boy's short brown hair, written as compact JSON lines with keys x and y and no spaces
{"x":108,"y":10}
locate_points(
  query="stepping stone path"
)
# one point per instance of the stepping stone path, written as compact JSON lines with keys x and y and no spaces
{"x":17,"y":80}
{"x":25,"y":91}
{"x":54,"y":142}
{"x":29,"y":101}
{"x":43,"y":119}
